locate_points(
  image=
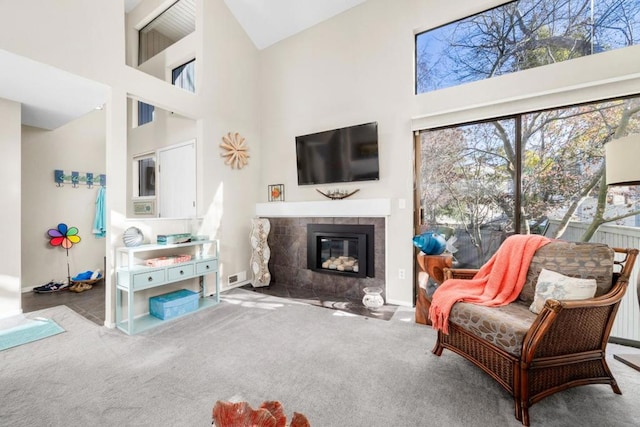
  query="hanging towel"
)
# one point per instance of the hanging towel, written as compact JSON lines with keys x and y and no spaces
{"x":497,"y":283}
{"x":99,"y":226}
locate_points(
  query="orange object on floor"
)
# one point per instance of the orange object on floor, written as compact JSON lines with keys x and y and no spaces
{"x":270,"y":414}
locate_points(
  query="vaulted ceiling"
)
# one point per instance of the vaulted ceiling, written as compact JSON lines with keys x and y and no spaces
{"x":51,"y":97}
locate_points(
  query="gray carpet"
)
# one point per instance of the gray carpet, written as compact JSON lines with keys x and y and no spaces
{"x":338,"y":370}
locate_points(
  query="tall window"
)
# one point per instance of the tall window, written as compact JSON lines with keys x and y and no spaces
{"x":184,"y":76}
{"x":520,"y":35}
{"x":541,"y":172}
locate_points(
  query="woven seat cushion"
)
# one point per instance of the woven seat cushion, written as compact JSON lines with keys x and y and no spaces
{"x":573,"y":259}
{"x":505,"y":326}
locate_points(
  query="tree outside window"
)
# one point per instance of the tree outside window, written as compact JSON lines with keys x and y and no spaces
{"x":520,"y":35}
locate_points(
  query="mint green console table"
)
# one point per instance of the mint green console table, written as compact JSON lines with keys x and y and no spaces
{"x":132,"y":276}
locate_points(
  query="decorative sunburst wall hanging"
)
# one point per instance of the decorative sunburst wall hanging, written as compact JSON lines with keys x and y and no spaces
{"x":235,"y":150}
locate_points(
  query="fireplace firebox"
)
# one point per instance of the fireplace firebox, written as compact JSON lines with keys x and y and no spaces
{"x":343,"y":249}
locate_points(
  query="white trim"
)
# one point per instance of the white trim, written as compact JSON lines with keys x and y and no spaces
{"x":423,"y":121}
{"x":329,"y":208}
{"x":234,"y":286}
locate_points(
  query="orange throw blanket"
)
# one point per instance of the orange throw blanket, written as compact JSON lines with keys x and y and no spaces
{"x":497,"y":283}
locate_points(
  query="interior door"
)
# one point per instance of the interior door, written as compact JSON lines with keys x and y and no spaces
{"x":177,"y":176}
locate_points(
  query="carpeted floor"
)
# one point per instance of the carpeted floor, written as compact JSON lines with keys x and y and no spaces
{"x":337,"y":369}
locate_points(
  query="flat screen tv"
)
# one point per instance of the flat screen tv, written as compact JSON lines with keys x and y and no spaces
{"x":340,"y":155}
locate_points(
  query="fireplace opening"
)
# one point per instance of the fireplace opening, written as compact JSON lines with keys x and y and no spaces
{"x":341,"y":249}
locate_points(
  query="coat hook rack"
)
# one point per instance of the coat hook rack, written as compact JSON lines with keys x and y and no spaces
{"x":76,"y":179}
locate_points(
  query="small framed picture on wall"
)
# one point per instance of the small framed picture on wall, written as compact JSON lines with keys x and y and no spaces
{"x":276,"y":193}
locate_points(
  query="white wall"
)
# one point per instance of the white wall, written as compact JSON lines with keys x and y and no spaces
{"x":10,"y":219}
{"x":358,"y":67}
{"x":78,"y":146}
{"x":88,"y":39}
{"x":354,"y":68}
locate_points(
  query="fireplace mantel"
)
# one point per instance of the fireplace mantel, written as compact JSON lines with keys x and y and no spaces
{"x":326,"y":208}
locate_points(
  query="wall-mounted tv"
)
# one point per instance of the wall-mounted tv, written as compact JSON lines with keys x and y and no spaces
{"x":340,"y":155}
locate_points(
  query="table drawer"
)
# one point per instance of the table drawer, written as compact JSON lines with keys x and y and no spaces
{"x":148,"y":279}
{"x":179,"y":272}
{"x":206,"y":267}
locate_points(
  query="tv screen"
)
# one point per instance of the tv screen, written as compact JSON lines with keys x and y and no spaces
{"x":341,"y":155}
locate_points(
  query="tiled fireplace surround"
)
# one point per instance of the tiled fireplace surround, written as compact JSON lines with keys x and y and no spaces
{"x":288,"y":243}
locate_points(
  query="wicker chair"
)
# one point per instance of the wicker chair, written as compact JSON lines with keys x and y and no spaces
{"x":564,"y":345}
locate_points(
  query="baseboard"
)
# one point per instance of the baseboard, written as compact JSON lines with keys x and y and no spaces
{"x":624,"y":341}
{"x":398,"y":302}
{"x":235,"y":285}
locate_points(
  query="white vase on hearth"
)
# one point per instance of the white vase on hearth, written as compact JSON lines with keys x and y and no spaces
{"x":373,"y":298}
{"x":260,"y":253}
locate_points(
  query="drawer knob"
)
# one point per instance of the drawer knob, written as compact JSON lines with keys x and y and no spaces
{"x":150,"y":279}
{"x":207,"y":267}
{"x":181,"y":272}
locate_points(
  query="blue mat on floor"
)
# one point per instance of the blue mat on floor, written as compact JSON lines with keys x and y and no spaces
{"x":32,"y":330}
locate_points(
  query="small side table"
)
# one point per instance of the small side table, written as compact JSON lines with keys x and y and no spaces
{"x":433,"y":266}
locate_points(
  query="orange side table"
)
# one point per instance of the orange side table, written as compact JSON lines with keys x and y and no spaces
{"x":434,"y":266}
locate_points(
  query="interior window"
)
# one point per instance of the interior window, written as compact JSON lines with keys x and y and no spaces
{"x":145,"y":113}
{"x":184,"y":76}
{"x":144,"y":168}
{"x":178,"y":21}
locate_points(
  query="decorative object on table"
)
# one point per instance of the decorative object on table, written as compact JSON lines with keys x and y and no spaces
{"x":132,"y":236}
{"x":621,"y":158}
{"x":270,"y":413}
{"x":276,"y":193}
{"x":235,"y":150}
{"x":430,"y":243}
{"x":169,"y":239}
{"x":64,"y":237}
{"x":373,"y":298}
{"x":261,"y":253}
{"x":338,"y":194}
{"x":163,"y":261}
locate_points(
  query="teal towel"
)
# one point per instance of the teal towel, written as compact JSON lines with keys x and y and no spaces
{"x":99,"y":223}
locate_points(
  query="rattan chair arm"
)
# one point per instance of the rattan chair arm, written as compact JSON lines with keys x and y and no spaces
{"x":560,"y":319}
{"x":459,"y":273}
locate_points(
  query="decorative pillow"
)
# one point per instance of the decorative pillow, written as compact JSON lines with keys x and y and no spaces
{"x":560,"y":287}
{"x":576,"y":259}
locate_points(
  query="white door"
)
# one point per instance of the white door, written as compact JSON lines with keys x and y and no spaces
{"x":177,"y":171}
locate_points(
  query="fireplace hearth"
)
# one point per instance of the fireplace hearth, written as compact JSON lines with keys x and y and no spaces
{"x":289,"y":261}
{"x":345,"y":249}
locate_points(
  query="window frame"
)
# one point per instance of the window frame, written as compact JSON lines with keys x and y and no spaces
{"x":176,"y":74}
{"x":488,"y":9}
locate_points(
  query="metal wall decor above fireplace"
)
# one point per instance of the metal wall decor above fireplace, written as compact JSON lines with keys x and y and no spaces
{"x":341,"y":249}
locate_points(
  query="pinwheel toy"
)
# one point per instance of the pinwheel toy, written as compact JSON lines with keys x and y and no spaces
{"x":65,"y":237}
